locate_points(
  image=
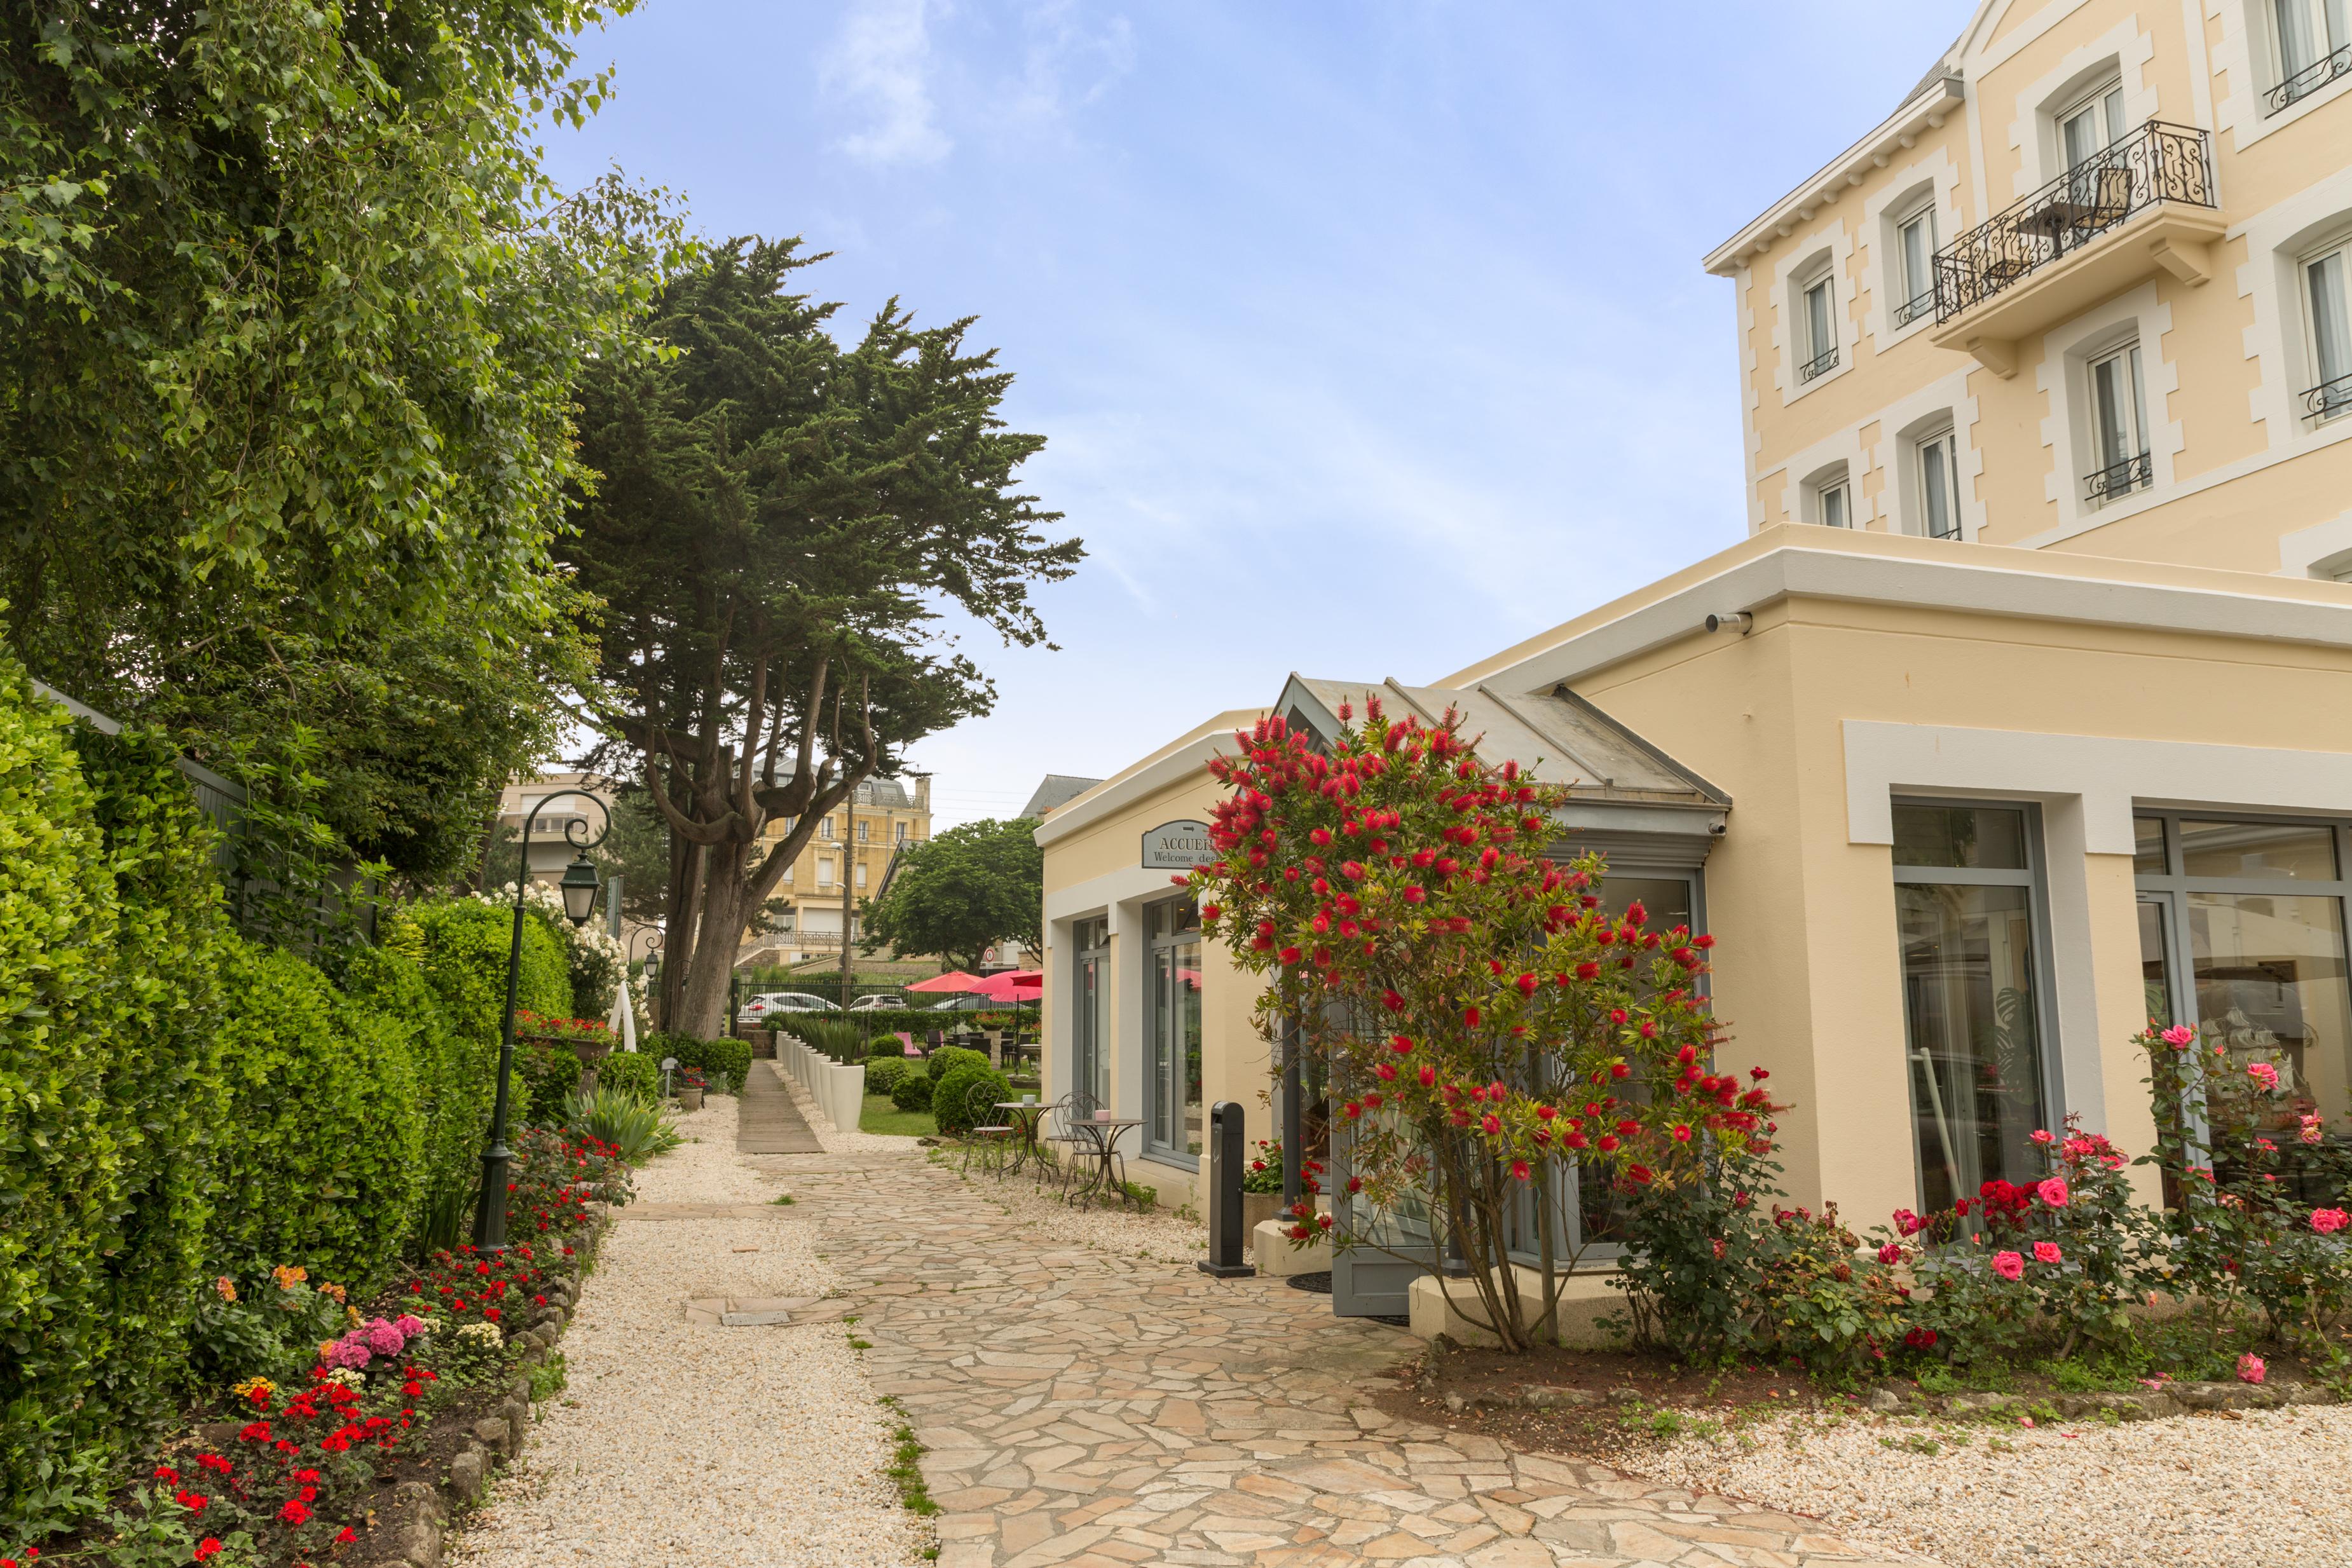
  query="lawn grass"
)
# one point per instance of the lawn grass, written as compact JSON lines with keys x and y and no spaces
{"x":881,"y":1116}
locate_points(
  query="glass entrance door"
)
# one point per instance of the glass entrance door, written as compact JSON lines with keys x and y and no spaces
{"x":1089,"y":1070}
{"x":1173,"y":1115}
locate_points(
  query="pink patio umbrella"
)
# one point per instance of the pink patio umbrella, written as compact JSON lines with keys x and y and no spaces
{"x":953,"y":981}
{"x":1011,"y":986}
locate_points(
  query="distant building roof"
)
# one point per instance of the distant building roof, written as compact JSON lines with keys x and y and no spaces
{"x":1059,"y":790}
{"x":884,"y":793}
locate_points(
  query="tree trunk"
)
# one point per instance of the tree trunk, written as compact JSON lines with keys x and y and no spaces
{"x":677,"y":930}
{"x":703,"y":1008}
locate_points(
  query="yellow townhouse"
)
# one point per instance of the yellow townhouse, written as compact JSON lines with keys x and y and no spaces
{"x":2024,"y":713}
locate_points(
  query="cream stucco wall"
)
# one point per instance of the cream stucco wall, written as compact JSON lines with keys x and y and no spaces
{"x":2239,"y":470}
{"x":1092,"y":869}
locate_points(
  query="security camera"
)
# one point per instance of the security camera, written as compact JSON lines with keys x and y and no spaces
{"x":1737,"y":621}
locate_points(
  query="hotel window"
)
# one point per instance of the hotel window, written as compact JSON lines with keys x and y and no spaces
{"x":2094,"y":123}
{"x":823,"y":872}
{"x":1915,"y":263}
{"x":1937,"y":461}
{"x":2242,"y":936}
{"x":862,"y":826}
{"x":2314,"y":42}
{"x":825,"y":829}
{"x":788,"y":874}
{"x":2119,"y":427}
{"x":1829,"y":499}
{"x":2327,"y":294}
{"x":1817,"y":327}
{"x":897,"y":832}
{"x":861,"y":873}
{"x":1969,"y":915}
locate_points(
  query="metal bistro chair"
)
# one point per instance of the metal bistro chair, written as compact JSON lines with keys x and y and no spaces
{"x":992,"y":1141}
{"x":1066,"y":1138}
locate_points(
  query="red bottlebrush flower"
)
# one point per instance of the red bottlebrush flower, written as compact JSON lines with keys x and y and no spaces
{"x":1353,"y":1110}
{"x":1288,"y":955}
{"x":1354,"y":1184}
{"x":1759,"y":1074}
{"x":1682,"y":1133}
{"x":1577,"y":1141}
{"x":1618,"y":1070}
{"x":1386,"y":1071}
{"x":1428,"y":1076}
{"x":1211,"y":911}
{"x":1491,"y":1122}
{"x":1319,"y":837}
{"x":1608,"y":1144}
{"x":1638,"y":1175}
{"x":1402,"y":1045}
{"x":1470,"y":1016}
{"x":1372,"y":1099}
{"x":294,"y":1512}
{"x":1414,"y":895}
{"x":1588,"y":970}
{"x":1527,"y":984}
{"x":1545,"y":1113}
{"x":1519,"y":1169}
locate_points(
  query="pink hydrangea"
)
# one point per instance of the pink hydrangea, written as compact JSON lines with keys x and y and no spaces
{"x":2047,"y":1252}
{"x":2251,"y":1368}
{"x":410,"y":1327}
{"x":2328,"y":1221}
{"x":384,"y":1339}
{"x":2009,"y":1265}
{"x":2054,"y":1192}
{"x":351,"y":1351}
{"x":2264,"y":1074}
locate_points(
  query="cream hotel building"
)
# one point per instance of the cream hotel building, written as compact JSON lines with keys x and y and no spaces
{"x":2022,"y":715}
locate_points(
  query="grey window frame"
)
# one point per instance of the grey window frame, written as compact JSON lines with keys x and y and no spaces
{"x":1089,"y":1067}
{"x":1154,"y":1083}
{"x":2035,"y":880}
{"x":2170,"y":888}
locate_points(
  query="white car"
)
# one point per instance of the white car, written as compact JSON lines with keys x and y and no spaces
{"x":886,"y":1002}
{"x":767,"y":1002}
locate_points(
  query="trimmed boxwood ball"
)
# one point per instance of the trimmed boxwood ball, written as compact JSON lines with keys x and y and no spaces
{"x":952,"y":1097}
{"x":886,"y":1045}
{"x":912,"y":1092}
{"x":947,"y":1058}
{"x":884,"y":1073}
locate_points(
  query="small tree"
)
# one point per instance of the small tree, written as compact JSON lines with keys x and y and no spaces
{"x":1489,"y":1030}
{"x":962,"y":892}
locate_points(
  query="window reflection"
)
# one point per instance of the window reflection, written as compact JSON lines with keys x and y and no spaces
{"x":1984,"y":838}
{"x":1974,"y":1043}
{"x":1176,"y":1107}
{"x":2303,"y":850}
{"x":2271,"y":986}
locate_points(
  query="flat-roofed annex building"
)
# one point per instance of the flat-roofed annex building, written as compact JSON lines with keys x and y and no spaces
{"x":2088,"y":287}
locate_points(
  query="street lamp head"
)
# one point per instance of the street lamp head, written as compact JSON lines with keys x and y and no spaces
{"x":580,"y":882}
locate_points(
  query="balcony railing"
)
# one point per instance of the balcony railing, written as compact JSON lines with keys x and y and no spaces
{"x":2328,"y":398}
{"x":2308,"y":80}
{"x":2158,"y":163}
{"x":1911,"y":310}
{"x":2118,"y":478}
{"x":1821,"y":364}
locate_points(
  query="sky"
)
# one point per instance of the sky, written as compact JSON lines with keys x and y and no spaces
{"x":1367,"y":337}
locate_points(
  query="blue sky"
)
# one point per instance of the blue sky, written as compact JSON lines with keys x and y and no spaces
{"x":1367,"y":337}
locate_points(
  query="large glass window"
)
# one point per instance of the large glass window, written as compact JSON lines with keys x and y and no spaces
{"x":1939,"y":486}
{"x":1967,"y":913}
{"x":1090,"y":1071}
{"x":2118,"y":426}
{"x":1817,"y":354}
{"x":1915,"y":250}
{"x":2327,"y":289}
{"x":2250,"y":916}
{"x":1174,"y":1114}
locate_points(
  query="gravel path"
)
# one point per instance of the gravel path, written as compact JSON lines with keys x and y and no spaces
{"x":2195,"y":1492}
{"x":691,"y":1445}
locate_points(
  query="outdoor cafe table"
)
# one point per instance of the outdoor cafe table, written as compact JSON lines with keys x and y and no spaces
{"x":1026,"y":1116}
{"x":1101,"y":1136}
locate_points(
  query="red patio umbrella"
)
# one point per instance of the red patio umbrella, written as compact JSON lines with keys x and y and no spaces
{"x":953,"y":981}
{"x":1011,"y":985}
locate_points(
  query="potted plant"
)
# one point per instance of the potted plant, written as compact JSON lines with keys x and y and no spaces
{"x":690,"y":1085}
{"x":1262,"y":1185}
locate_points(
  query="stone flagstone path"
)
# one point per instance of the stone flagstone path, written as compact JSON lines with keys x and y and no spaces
{"x":1086,"y":1409}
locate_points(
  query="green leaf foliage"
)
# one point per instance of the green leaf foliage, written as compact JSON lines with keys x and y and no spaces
{"x":637,"y":1073}
{"x":723,"y":1062}
{"x":961,"y":892}
{"x":954,"y":1104}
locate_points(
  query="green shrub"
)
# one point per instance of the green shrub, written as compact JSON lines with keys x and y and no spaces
{"x":840,"y":1039}
{"x":636,"y":1128}
{"x":947,"y":1058}
{"x":913,"y":1090}
{"x":637,"y":1073}
{"x":884,"y":1073}
{"x":462,"y":946}
{"x":886,"y":1045}
{"x":723,"y":1062}
{"x":322,"y":1163}
{"x":952,"y":1099}
{"x":456,"y":1078}
{"x":549,"y":1073}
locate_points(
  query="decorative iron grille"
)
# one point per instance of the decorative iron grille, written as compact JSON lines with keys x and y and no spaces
{"x":2328,"y":398}
{"x":1911,"y":310}
{"x":2158,"y":163}
{"x":1821,"y":364}
{"x":2120,"y":478}
{"x":2308,"y":80}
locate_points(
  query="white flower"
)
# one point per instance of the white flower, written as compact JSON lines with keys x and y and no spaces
{"x":486,"y":1334}
{"x":347,"y":1377}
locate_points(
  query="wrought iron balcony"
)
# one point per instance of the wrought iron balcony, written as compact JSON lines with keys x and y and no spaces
{"x":1911,"y":310}
{"x":2117,"y":479}
{"x":1821,"y":364}
{"x":2308,"y":80}
{"x":2328,"y":398}
{"x":2156,"y":163}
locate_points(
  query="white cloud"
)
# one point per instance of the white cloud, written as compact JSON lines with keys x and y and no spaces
{"x":881,"y":60}
{"x":1067,"y":63}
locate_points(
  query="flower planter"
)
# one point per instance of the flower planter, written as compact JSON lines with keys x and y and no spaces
{"x":1257,"y":1208}
{"x":689,"y":1098}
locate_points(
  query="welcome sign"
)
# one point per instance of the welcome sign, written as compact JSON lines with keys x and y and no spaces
{"x":1177,"y":846}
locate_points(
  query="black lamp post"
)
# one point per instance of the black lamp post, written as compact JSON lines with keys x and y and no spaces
{"x":579,"y":890}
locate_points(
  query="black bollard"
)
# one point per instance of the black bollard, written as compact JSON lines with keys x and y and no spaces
{"x":1224,"y":1259}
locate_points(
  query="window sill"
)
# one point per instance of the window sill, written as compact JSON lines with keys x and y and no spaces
{"x":1171,"y":1158}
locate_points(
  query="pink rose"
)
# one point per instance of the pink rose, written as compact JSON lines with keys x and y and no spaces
{"x":2180,"y":1037}
{"x":2009,"y":1265}
{"x":2312,"y":1130}
{"x":2052,"y":1192}
{"x":2328,"y":1221}
{"x":2047,"y":1252}
{"x":1891,"y":1253}
{"x":2264,"y":1074}
{"x":2042,"y":1135}
{"x":2250,"y":1368}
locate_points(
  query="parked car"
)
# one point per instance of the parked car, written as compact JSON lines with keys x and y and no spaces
{"x":767,"y":1002}
{"x":881,"y":1002}
{"x":967,"y":1002}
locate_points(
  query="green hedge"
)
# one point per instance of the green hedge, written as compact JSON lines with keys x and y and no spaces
{"x":723,"y":1062}
{"x":952,"y":1097}
{"x":637,"y":1073}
